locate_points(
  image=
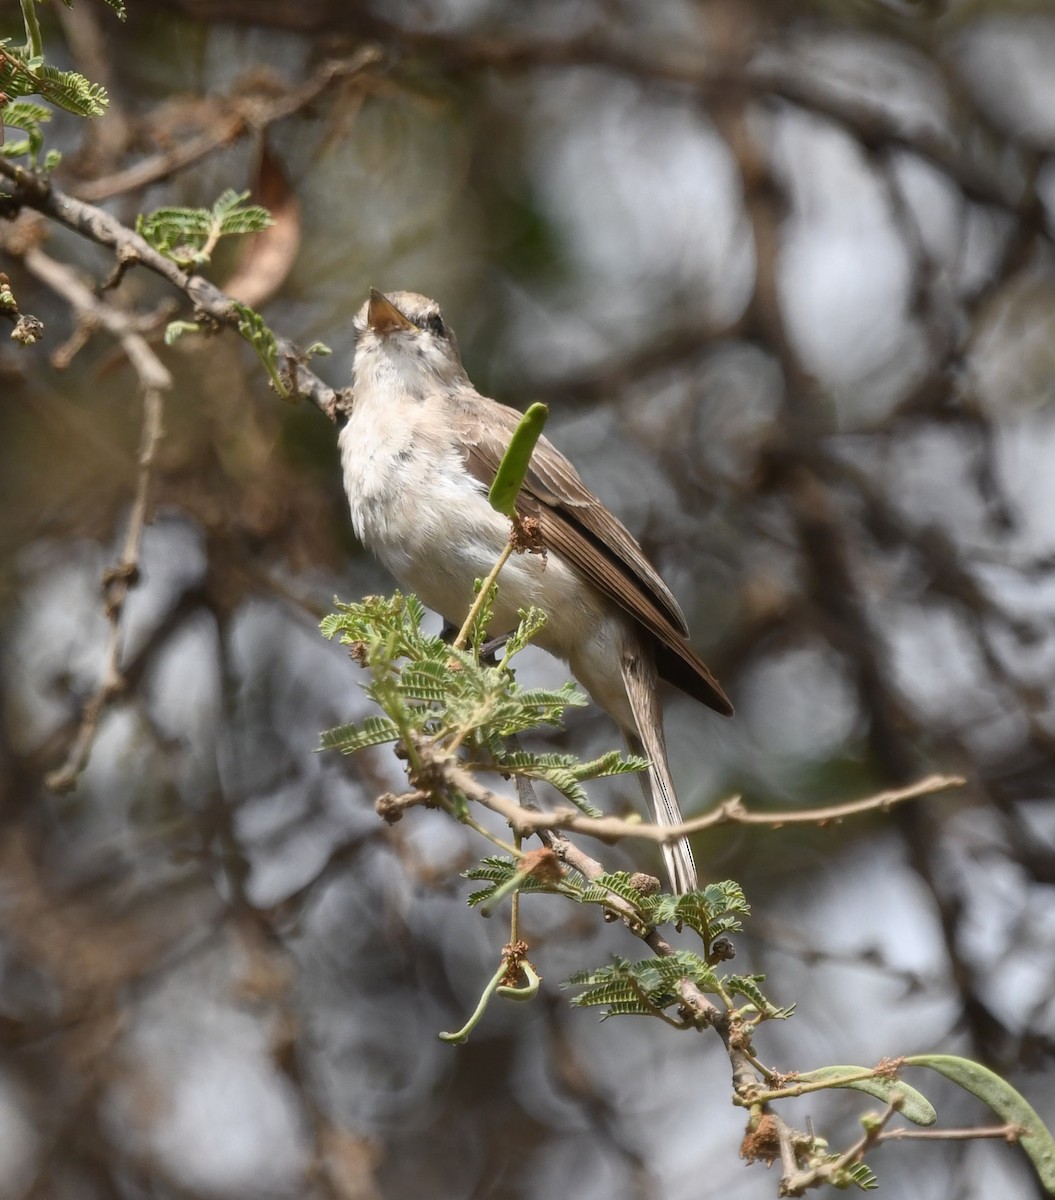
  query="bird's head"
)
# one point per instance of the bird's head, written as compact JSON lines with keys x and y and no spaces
{"x":405,"y":333}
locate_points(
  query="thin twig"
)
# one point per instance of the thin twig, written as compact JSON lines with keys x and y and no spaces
{"x":798,"y":1182}
{"x":789,"y":1162}
{"x":154,"y":381}
{"x":246,"y":116}
{"x":730,"y":812}
{"x":1007,"y":1133}
{"x":482,"y":596}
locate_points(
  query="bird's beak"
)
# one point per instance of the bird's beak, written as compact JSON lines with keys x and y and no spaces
{"x":383,"y":316}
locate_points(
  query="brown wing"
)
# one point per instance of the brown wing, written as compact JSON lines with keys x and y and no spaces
{"x":576,"y":525}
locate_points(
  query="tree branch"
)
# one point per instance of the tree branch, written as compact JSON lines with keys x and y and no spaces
{"x":245,"y":115}
{"x":36,"y":192}
{"x":730,"y":812}
{"x":118,"y":580}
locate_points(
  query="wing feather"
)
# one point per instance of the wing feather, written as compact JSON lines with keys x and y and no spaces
{"x":578,"y":527}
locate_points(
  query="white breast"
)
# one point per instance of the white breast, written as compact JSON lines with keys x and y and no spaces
{"x":417,"y":508}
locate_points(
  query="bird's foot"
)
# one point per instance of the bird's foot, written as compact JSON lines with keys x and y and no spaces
{"x":487,"y":651}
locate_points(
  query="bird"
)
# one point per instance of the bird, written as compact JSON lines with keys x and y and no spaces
{"x":419,"y":449}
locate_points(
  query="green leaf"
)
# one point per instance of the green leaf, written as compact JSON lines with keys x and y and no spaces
{"x":189,"y":235}
{"x":391,"y":621}
{"x":496,"y":868}
{"x":16,"y":78}
{"x":71,"y":91}
{"x":231,"y":215}
{"x":174,"y":330}
{"x":1011,"y":1106}
{"x":552,"y":768}
{"x":642,"y":988}
{"x":618,"y":882}
{"x":532,"y":621}
{"x":565,"y":783}
{"x":860,"y":1175}
{"x":687,"y":964}
{"x":711,"y":911}
{"x":23,"y":72}
{"x":428,"y":682}
{"x":17,"y":149}
{"x":630,"y":1006}
{"x":374,"y":731}
{"x":915,"y":1107}
{"x":509,"y":477}
{"x":164,"y":226}
{"x":628,"y":989}
{"x":257,"y":332}
{"x":747,"y":986}
{"x":25,"y":114}
{"x":612,"y":763}
{"x":497,"y":871}
{"x":561,"y":771}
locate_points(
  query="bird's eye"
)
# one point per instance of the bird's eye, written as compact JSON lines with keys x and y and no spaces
{"x":434,"y":324}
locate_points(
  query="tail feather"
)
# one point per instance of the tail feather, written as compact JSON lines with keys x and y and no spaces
{"x":642,"y":688}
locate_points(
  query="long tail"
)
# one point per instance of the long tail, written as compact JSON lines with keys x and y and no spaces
{"x":641,"y":681}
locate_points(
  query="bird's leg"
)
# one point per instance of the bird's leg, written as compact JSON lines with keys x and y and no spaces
{"x":487,"y":651}
{"x":491,"y":647}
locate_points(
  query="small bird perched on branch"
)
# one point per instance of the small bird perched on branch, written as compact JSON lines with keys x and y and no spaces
{"x":420,"y":448}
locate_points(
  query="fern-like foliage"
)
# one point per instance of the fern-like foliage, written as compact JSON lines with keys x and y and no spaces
{"x":433,"y":695}
{"x":25,"y":74}
{"x":648,"y":987}
{"x":430,"y":682}
{"x":644,"y":988}
{"x":618,"y":883}
{"x":481,"y":622}
{"x":747,"y":986}
{"x":348,"y":739}
{"x":394,"y":620}
{"x":859,"y":1175}
{"x":189,"y":235}
{"x":532,"y":622}
{"x":558,"y":770}
{"x":498,"y":870}
{"x":256,"y":331}
{"x":72,"y":92}
{"x":22,"y":75}
{"x":260,"y":335}
{"x":28,"y":116}
{"x":713,"y":910}
{"x":427,"y":688}
{"x":564,"y":772}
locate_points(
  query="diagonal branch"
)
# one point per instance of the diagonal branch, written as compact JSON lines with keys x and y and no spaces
{"x":730,"y":812}
{"x":36,"y":191}
{"x":245,"y":115}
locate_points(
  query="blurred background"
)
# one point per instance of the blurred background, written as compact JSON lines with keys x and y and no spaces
{"x":783,"y":272}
